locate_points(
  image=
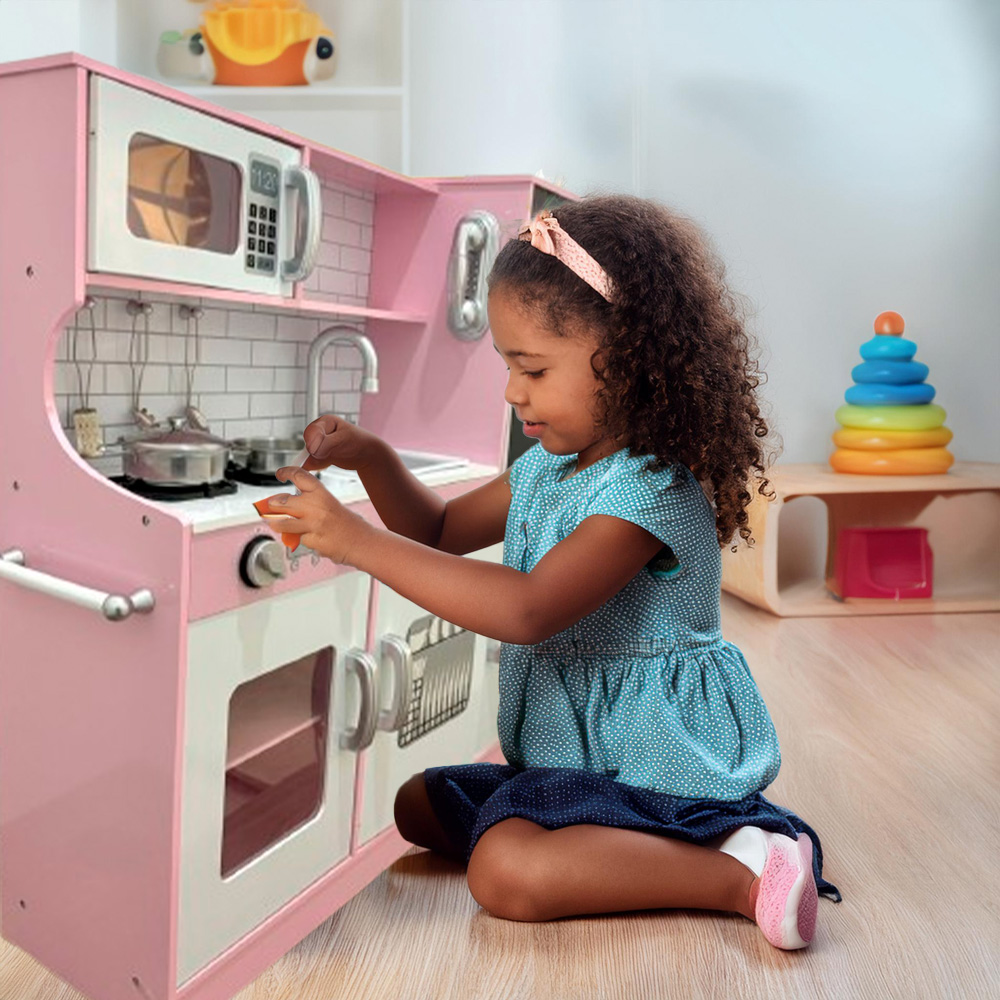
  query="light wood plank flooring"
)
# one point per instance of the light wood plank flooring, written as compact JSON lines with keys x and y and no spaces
{"x":889,"y":733}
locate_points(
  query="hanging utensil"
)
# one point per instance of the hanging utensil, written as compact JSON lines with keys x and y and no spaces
{"x":138,"y":358}
{"x":86,"y":424}
{"x":192,"y":358}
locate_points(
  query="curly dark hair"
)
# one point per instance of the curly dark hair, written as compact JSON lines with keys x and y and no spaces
{"x":677,"y":370}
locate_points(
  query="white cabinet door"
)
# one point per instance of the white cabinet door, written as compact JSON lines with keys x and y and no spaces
{"x":437,"y":700}
{"x":271,"y":699}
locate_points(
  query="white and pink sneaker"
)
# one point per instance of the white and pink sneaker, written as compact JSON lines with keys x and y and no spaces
{"x":786,"y":895}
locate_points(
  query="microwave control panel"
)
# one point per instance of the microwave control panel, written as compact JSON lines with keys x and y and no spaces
{"x":262,"y":215}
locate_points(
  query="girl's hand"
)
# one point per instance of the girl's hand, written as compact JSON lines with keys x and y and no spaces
{"x":335,"y":441}
{"x":320,"y":520}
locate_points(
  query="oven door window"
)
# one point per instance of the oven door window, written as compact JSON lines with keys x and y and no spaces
{"x":275,"y":757}
{"x":182,"y":196}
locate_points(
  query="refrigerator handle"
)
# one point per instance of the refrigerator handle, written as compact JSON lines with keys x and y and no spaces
{"x":304,"y":181}
{"x":362,"y":735}
{"x":398,"y":652}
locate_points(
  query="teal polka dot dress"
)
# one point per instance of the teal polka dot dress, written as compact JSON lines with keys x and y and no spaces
{"x":640,"y":716}
{"x":644,"y":690}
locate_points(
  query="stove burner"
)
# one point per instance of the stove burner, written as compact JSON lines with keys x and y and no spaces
{"x":159,"y":491}
{"x":244,"y":475}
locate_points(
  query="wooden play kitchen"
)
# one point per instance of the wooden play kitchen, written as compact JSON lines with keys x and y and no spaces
{"x":201,"y":734}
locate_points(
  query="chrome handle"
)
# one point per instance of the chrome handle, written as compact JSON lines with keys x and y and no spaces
{"x":477,"y":239}
{"x":114,"y":607}
{"x":311,"y":209}
{"x":398,"y":652}
{"x":363,"y":734}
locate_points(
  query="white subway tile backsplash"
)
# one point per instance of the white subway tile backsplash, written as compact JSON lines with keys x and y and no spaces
{"x":276,"y":353}
{"x":297,"y":328}
{"x":355,"y":260}
{"x":339,"y":380}
{"x":270,"y":404}
{"x":333,"y":200}
{"x":358,"y":209}
{"x":249,"y":379}
{"x":289,"y":380}
{"x":219,"y":351}
{"x":337,"y":282}
{"x":225,"y":405}
{"x":252,"y":326}
{"x":112,"y":345}
{"x":341,"y":232}
{"x":260,"y":427}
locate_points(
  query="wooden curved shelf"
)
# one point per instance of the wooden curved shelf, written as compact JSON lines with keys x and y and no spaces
{"x":960,"y":509}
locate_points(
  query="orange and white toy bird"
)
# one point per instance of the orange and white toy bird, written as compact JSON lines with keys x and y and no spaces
{"x":251,"y":43}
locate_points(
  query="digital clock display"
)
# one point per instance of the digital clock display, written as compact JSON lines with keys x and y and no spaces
{"x":264,"y":178}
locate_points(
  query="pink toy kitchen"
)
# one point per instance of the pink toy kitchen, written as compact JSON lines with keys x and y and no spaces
{"x":201,"y":732}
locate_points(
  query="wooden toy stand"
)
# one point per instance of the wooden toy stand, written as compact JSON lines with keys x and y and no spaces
{"x":961,"y":511}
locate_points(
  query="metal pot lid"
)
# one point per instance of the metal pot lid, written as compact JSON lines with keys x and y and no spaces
{"x":182,"y":440}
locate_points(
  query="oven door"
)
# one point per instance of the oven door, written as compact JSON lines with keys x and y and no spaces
{"x":178,"y":195}
{"x":273,"y":696}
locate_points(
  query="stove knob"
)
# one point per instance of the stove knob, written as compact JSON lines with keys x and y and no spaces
{"x":262,"y":562}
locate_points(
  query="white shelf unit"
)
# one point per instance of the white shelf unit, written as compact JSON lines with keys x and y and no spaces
{"x":362,"y":110}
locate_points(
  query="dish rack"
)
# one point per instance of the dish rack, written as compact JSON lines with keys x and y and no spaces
{"x":442,"y":675}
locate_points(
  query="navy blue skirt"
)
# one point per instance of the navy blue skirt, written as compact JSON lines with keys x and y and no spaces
{"x":469,"y":798}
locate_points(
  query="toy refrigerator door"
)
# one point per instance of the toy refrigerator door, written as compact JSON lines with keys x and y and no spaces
{"x":268,"y":790}
{"x":434,"y":692}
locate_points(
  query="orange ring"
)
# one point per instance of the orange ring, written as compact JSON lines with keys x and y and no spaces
{"x":873,"y":440}
{"x":902,"y":462}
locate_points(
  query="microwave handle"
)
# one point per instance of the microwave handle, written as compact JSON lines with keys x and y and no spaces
{"x":306,"y":183}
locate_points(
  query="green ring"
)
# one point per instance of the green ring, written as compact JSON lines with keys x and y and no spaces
{"x":922,"y":417}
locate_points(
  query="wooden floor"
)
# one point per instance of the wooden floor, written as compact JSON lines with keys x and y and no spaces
{"x":889,"y":730}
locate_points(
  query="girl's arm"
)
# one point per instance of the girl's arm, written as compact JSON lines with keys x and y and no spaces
{"x":574,"y":578}
{"x":409,"y":508}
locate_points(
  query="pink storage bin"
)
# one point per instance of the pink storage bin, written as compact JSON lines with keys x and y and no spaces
{"x":889,"y":563}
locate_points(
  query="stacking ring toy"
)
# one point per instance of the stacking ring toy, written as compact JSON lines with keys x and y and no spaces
{"x":864,"y":440}
{"x":884,"y":394}
{"x":891,"y":418}
{"x":892,"y":372}
{"x":903,"y":462}
{"x":883,"y":348}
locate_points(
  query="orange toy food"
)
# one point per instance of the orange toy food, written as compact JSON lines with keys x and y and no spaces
{"x":290,"y":541}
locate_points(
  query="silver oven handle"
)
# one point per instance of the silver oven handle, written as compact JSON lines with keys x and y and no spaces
{"x":399,"y":653}
{"x":306,"y":183}
{"x":362,"y":735}
{"x":114,"y":607}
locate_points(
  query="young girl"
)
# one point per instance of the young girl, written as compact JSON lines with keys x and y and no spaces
{"x":637,"y":742}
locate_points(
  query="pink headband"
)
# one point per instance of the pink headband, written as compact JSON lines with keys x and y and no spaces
{"x":548,"y":236}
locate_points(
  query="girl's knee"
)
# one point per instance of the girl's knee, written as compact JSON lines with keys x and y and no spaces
{"x":506,"y":875}
{"x":410,"y":809}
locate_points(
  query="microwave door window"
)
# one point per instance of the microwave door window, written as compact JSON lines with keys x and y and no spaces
{"x":182,"y":196}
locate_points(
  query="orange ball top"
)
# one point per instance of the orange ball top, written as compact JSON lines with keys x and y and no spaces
{"x":889,"y":324}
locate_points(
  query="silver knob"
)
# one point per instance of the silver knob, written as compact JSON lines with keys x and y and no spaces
{"x":263,"y":562}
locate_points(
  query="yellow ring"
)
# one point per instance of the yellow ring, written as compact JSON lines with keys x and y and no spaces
{"x":919,"y":417}
{"x":902,"y":462}
{"x":870,"y":440}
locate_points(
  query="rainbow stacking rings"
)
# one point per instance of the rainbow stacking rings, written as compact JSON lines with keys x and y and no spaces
{"x":889,"y":426}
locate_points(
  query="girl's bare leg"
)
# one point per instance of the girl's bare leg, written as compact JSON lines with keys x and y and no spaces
{"x":416,"y":821}
{"x":521,"y":871}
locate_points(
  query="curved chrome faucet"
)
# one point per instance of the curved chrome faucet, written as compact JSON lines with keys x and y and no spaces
{"x":338,"y":334}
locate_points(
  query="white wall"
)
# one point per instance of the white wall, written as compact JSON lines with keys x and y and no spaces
{"x":842,"y":155}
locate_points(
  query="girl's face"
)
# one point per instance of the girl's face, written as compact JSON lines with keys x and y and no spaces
{"x":551,"y":383}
